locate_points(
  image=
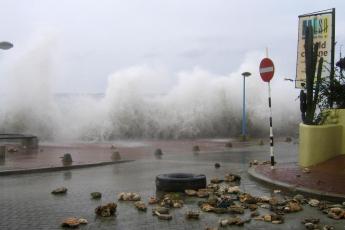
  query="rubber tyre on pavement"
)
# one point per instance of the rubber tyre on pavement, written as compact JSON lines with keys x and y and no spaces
{"x":178,"y":182}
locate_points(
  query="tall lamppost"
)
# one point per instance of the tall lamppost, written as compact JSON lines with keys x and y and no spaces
{"x":5,"y":45}
{"x":244,"y":74}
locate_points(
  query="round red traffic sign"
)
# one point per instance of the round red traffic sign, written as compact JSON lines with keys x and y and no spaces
{"x":266,"y":69}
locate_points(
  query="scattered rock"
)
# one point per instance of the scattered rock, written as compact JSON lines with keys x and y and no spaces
{"x":237,"y":221}
{"x":192,"y":215}
{"x":96,"y":195}
{"x":232,"y":178}
{"x":311,"y":220}
{"x":196,"y":148}
{"x":220,"y":210}
{"x":61,"y":190}
{"x":311,"y":226}
{"x":206,"y":207}
{"x":82,"y":221}
{"x":213,"y":201}
{"x":202,"y":193}
{"x":172,"y":200}
{"x":277,"y":222}
{"x":177,"y":204}
{"x":254,"y":214}
{"x":273,"y":201}
{"x":232,"y":221}
{"x":306,"y":170}
{"x":247,"y":198}
{"x":324,"y":205}
{"x":216,"y":180}
{"x":228,"y":144}
{"x":160,"y":210}
{"x":314,"y":202}
{"x":267,"y":218}
{"x":276,"y":191}
{"x":153,"y":200}
{"x":158,"y":152}
{"x":264,"y":199}
{"x":209,"y":228}
{"x":252,"y":207}
{"x":217,"y":165}
{"x":273,"y":218}
{"x":223,"y":223}
{"x":129,"y":196}
{"x":234,"y":189}
{"x":265,"y":206}
{"x":336,"y":213}
{"x":12,"y":150}
{"x":106,"y":210}
{"x":253,"y":162}
{"x":236,"y":209}
{"x":163,"y":216}
{"x":214,"y":187}
{"x":261,"y":142}
{"x":71,"y":222}
{"x":328,"y":227}
{"x":293,"y":206}
{"x":299,"y":198}
{"x":223,"y":202}
{"x":141,"y":206}
{"x":190,"y":192}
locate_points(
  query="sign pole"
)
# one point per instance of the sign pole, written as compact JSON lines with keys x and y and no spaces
{"x":332,"y":60}
{"x":271,"y":126}
{"x":266,"y":72}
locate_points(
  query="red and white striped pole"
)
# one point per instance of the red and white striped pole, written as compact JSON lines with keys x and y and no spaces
{"x":271,"y":127}
{"x":266,"y":73}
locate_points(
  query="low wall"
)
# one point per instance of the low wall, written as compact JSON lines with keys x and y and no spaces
{"x":319,"y":143}
{"x":339,"y":115}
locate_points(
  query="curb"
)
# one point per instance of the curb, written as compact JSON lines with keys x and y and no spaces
{"x":291,"y":187}
{"x":59,"y":168}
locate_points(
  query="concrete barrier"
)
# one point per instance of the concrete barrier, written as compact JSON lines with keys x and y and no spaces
{"x":2,"y":154}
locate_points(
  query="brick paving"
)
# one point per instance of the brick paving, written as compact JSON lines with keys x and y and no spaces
{"x":327,"y":177}
{"x":48,"y":154}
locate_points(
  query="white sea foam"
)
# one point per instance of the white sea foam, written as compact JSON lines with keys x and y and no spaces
{"x":143,"y":102}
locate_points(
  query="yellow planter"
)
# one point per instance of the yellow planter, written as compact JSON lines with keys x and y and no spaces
{"x":319,"y":143}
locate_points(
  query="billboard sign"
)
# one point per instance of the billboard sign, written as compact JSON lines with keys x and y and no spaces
{"x":323,"y":29}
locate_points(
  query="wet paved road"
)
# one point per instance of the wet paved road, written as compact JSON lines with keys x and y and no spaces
{"x":26,"y":202}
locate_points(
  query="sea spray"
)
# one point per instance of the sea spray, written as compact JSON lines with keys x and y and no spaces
{"x":143,"y":102}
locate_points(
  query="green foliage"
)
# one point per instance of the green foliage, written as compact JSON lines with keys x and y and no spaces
{"x":312,"y":86}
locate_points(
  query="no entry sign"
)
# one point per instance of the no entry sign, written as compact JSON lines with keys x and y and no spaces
{"x":266,"y":69}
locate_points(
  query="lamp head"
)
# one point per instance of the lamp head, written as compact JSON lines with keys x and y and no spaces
{"x":246,"y":74}
{"x":5,"y":45}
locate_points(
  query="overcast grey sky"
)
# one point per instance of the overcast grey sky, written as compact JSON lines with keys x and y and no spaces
{"x":93,"y":39}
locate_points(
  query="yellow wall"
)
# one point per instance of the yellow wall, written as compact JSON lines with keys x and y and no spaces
{"x":319,"y":143}
{"x":340,"y":116}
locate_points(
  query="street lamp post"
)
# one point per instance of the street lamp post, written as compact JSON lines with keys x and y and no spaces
{"x":244,"y":74}
{"x":4,"y":46}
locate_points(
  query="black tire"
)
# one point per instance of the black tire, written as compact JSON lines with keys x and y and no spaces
{"x":178,"y":182}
